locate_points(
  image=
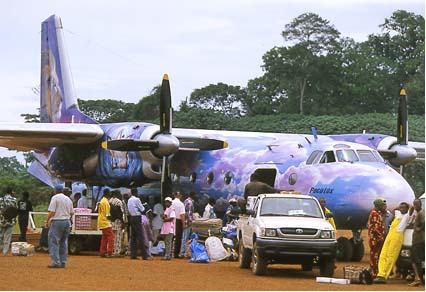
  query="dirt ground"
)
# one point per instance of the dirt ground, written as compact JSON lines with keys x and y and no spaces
{"x":90,"y":272}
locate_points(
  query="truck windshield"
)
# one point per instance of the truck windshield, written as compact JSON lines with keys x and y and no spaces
{"x":296,"y":207}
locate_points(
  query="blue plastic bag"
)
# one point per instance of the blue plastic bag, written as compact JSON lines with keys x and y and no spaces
{"x":199,"y":252}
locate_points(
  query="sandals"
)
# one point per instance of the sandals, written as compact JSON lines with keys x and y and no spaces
{"x":415,"y":283}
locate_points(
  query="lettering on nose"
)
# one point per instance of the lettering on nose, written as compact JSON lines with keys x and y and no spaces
{"x":321,"y":190}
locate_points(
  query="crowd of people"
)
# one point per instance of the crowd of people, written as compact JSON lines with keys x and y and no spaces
{"x":385,"y":237}
{"x":132,"y":225}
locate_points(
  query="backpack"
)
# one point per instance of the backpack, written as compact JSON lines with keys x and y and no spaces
{"x":116,"y":213}
{"x":9,"y":212}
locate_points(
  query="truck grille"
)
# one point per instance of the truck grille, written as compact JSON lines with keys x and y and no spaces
{"x":298,"y":231}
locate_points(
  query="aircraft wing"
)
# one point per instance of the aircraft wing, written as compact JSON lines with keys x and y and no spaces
{"x":30,"y":136}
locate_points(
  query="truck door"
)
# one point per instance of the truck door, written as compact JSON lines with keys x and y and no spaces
{"x":250,"y":230}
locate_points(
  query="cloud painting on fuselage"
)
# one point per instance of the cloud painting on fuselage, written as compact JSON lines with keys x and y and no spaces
{"x":216,"y":163}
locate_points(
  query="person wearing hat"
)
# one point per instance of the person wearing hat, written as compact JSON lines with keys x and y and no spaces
{"x":232,"y":212}
{"x":376,"y":234}
{"x":168,"y":228}
{"x":59,"y":218}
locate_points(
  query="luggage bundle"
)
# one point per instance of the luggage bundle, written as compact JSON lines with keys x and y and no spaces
{"x":22,"y":249}
{"x":206,"y":227}
{"x":358,"y":275}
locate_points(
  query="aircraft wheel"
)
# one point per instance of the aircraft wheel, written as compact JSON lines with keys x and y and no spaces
{"x":358,"y":251}
{"x":344,"y":249}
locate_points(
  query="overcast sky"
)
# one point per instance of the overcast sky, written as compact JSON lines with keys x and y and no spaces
{"x":120,"y":49}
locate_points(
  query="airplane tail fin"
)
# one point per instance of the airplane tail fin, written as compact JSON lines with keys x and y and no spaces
{"x":58,"y":99}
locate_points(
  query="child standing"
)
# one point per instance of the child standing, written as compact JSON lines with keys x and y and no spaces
{"x":168,"y":228}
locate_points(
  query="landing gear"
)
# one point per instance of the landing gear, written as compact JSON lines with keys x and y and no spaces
{"x":344,"y":249}
{"x":350,"y":249}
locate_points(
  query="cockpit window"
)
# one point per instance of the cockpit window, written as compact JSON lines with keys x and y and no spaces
{"x":366,"y":156}
{"x":347,"y":155}
{"x":379,"y":158}
{"x":328,"y":157}
{"x":314,"y":157}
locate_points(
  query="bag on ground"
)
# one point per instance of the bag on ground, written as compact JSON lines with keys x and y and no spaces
{"x":198,"y":251}
{"x":215,"y":249}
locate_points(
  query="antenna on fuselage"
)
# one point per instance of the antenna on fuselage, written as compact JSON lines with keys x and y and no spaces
{"x":314,"y":132}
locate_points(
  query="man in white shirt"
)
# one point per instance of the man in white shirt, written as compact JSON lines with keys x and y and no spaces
{"x":180,"y":220}
{"x":59,"y":217}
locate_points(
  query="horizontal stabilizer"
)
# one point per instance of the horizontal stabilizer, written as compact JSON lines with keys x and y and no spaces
{"x":203,"y":144}
{"x":40,"y":172}
{"x":130,"y":145}
{"x":31,"y":136}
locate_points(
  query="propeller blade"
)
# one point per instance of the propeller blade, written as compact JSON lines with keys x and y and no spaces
{"x":201,"y":143}
{"x":130,"y":145}
{"x":402,"y":131}
{"x":166,"y":181}
{"x":165,"y":106}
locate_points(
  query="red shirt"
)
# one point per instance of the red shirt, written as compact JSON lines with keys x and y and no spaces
{"x":376,"y":229}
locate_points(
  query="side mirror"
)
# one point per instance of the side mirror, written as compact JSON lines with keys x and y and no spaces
{"x":329,"y":215}
{"x":250,"y":212}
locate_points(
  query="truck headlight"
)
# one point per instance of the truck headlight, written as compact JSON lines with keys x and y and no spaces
{"x":270,"y":232}
{"x":406,"y":253}
{"x":327,"y":234}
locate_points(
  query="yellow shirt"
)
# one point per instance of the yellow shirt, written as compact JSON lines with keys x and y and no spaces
{"x":103,"y":212}
{"x":331,"y":220}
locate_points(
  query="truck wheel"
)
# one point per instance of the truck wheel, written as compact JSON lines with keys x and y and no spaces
{"x":344,"y":249}
{"x":358,"y":251}
{"x":74,"y":245}
{"x":326,"y":266}
{"x":244,"y":256}
{"x":259,"y":264}
{"x":307,"y":266}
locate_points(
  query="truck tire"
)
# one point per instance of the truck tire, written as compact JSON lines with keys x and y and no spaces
{"x":259,"y":264}
{"x":326,"y":266}
{"x":244,"y":256}
{"x":74,"y":245}
{"x":307,"y":266}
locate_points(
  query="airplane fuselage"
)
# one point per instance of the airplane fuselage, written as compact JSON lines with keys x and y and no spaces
{"x":349,"y":187}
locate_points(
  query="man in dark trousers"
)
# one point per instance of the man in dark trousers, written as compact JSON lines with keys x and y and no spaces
{"x":256,"y":187}
{"x":136,"y":208}
{"x":24,"y":208}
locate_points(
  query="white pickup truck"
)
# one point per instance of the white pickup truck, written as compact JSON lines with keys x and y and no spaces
{"x":286,"y":228}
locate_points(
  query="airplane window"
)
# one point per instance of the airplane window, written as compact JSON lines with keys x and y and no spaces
{"x":193,"y":177}
{"x":314,"y":157}
{"x":379,"y":158}
{"x":347,"y":155}
{"x":228,"y":177}
{"x":366,"y":156}
{"x":210,"y":178}
{"x":328,"y":157}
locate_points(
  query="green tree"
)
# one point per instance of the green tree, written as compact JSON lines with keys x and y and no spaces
{"x":220,"y":97}
{"x":148,"y":108}
{"x":107,"y":110}
{"x":401,"y":50}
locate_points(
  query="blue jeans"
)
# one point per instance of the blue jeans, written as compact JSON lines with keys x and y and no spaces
{"x":58,"y":241}
{"x":185,"y":236}
{"x":5,"y":232}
